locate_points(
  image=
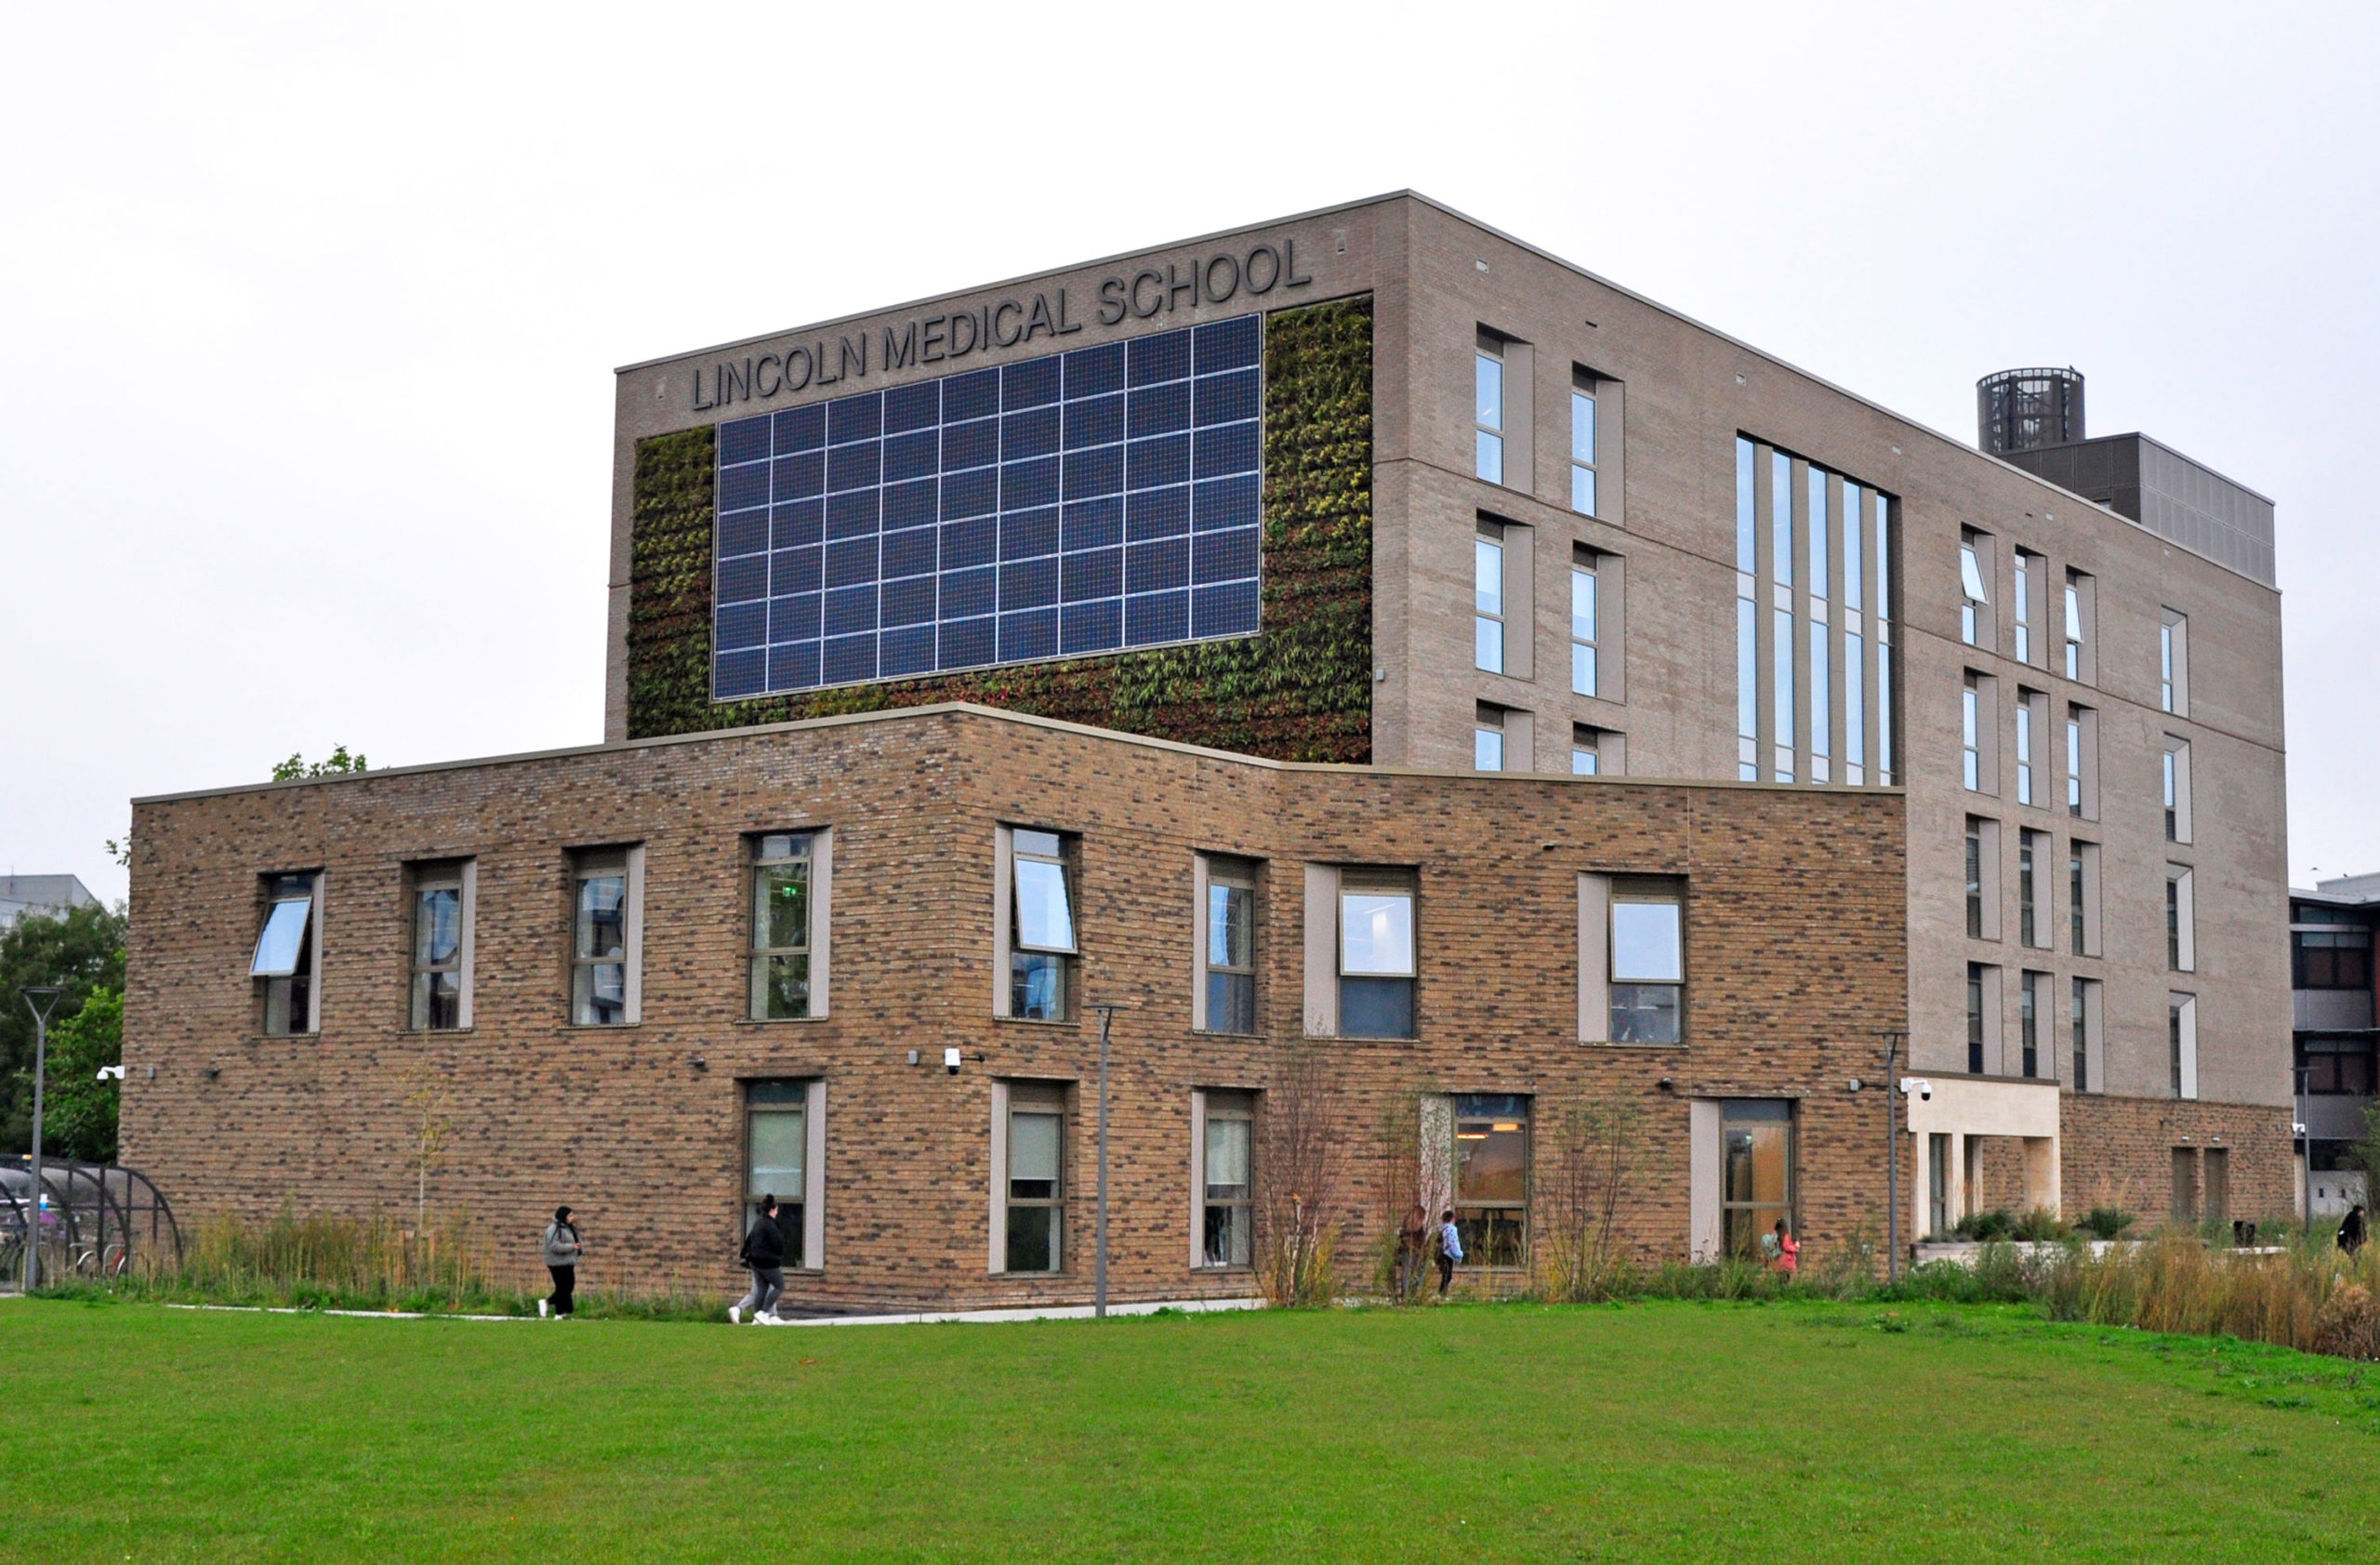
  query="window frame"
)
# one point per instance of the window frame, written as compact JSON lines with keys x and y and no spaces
{"x":1633,"y":893}
{"x":587,"y":866}
{"x":1021,"y":845}
{"x":815,"y":857}
{"x":2181,"y":920}
{"x":1489,"y":749}
{"x":1209,"y":1108}
{"x":1230,"y":874}
{"x":280,"y":990}
{"x":1584,"y":392}
{"x":1495,"y":1229}
{"x":1586,"y":674}
{"x":804,"y":1217}
{"x":425,"y":878}
{"x":1393,"y":884}
{"x":2174,"y":662}
{"x":1488,"y":422}
{"x":1012,"y":1100}
{"x":1490,"y":624}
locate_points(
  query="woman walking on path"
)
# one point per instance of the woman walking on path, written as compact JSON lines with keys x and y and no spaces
{"x":563,"y":1248}
{"x":764,"y":1253}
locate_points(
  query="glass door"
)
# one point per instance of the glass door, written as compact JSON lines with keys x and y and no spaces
{"x":1758,"y":1137}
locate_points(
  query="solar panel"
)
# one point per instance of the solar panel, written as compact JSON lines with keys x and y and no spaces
{"x":1083,"y":503}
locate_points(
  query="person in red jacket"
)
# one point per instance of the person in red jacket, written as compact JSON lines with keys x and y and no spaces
{"x":1787,"y":1256}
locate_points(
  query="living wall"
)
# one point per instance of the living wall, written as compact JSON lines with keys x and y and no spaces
{"x":1299,"y":691}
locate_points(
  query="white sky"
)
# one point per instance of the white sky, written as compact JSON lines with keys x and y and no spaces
{"x":308,"y":315}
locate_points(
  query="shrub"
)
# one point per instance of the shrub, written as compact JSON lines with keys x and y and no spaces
{"x":2348,"y":1325}
{"x":2106,"y":1222}
{"x":1985,"y":1225}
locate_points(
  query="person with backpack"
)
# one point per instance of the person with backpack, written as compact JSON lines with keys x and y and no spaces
{"x":563,"y":1248}
{"x":1449,"y":1251}
{"x":764,"y":1254}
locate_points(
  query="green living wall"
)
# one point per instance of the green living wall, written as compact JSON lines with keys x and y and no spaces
{"x":1300,"y":690}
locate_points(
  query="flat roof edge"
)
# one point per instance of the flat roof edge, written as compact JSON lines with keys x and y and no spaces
{"x":1031,"y":719}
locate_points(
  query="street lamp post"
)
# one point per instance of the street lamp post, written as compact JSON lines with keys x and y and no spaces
{"x":1893,"y":1042}
{"x":1098,"y":1263}
{"x":40,"y":998}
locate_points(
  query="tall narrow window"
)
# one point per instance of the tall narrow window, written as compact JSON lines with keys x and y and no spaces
{"x":438,"y":949}
{"x":598,"y":968}
{"x":2032,"y":1002}
{"x":1487,"y":373}
{"x":1817,"y":529}
{"x":2025,"y":700}
{"x":1971,"y":735}
{"x":1582,"y":448}
{"x":1975,"y":878}
{"x":1042,"y":948}
{"x":1487,"y":602}
{"x":1821,"y":702}
{"x":2082,"y":896}
{"x":287,"y":957}
{"x":1036,"y":1187}
{"x":2176,"y":766}
{"x":777,"y":1159}
{"x":1231,"y":946}
{"x":1376,"y":954}
{"x":1855,"y":714}
{"x":1784,"y":683}
{"x":1747,"y":613}
{"x":2082,"y":762}
{"x":2078,"y":1023}
{"x":1492,"y":1179}
{"x":2080,"y":604}
{"x":1976,"y":998}
{"x":2174,"y":662}
{"x":1648,"y":967}
{"x":781,"y":885}
{"x":1976,"y":600}
{"x":1780,"y":495}
{"x":1757,"y":1141}
{"x":1586,"y":750}
{"x":1855,"y":515}
{"x":1487,"y":738}
{"x":2020,"y":606}
{"x":2181,"y":1043}
{"x":2031,"y":928}
{"x":1582,"y":627}
{"x":1227,"y":1181}
{"x":1886,"y":763}
{"x":2181,"y":936}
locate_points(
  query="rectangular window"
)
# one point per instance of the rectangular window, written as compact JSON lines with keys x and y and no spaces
{"x":2033,"y":1011}
{"x":1972,"y":719}
{"x":2082,"y":762}
{"x":1376,"y":968}
{"x":1747,"y":517}
{"x":1488,"y":600}
{"x":2174,"y":662}
{"x":2330,"y":951}
{"x":2181,"y":937}
{"x":782,"y":869}
{"x":1783,"y":711}
{"x":1757,"y":1141}
{"x":2032,"y":928}
{"x":1855,"y":714}
{"x":1821,"y":705}
{"x":2181,"y":1040}
{"x":1036,"y":1178}
{"x":1488,"y":372}
{"x":1042,"y":948}
{"x":2082,"y":665}
{"x":1983,"y":902}
{"x":1492,"y":1179}
{"x":1647,"y":966}
{"x":1230,"y":946}
{"x":2083,"y":1021}
{"x":1883,"y":711}
{"x":2082,"y":897}
{"x":1855,"y":504}
{"x":1582,"y":448}
{"x":1979,"y":979}
{"x":1586,"y":750}
{"x":1583,"y":626}
{"x":289,"y":956}
{"x":2176,"y":767}
{"x":1747,"y":689}
{"x":1819,"y":559}
{"x":441,"y":946}
{"x":1487,"y":738}
{"x":1975,"y":604}
{"x":2020,"y":606}
{"x":2030,"y":706}
{"x":605,"y":930}
{"x":777,"y":1160}
{"x":1226,"y":1180}
{"x":2335,"y":1067}
{"x":1780,"y":494}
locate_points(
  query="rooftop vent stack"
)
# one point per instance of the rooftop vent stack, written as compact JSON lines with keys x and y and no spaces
{"x":2024,"y":409}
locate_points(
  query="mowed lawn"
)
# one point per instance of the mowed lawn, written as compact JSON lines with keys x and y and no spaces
{"x":1652,"y":1432}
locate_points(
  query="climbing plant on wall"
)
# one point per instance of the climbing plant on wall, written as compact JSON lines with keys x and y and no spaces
{"x":1300,"y":690}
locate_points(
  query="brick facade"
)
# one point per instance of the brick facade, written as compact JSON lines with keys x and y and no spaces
{"x":1796,"y":906}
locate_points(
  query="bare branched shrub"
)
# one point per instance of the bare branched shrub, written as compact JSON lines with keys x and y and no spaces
{"x":1297,"y":1208}
{"x":1578,"y":1252}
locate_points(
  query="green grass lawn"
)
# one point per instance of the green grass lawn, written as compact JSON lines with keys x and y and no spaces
{"x":1657,"y":1431}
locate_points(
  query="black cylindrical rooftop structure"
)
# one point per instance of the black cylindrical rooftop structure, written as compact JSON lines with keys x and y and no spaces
{"x":2020,"y":409}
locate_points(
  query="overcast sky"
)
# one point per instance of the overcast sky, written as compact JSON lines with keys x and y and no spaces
{"x":308,"y":317}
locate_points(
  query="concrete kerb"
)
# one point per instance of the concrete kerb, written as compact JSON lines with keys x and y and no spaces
{"x":965,"y":1317}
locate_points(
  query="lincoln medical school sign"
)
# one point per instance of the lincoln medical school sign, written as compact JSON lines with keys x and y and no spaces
{"x":929,"y":339}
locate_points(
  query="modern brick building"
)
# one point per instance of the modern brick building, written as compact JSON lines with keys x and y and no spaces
{"x":2336,"y":1003}
{"x":1378,"y":487}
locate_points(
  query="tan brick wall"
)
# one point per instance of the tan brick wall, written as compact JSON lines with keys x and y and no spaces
{"x":1795,"y":942}
{"x":2119,"y":1151}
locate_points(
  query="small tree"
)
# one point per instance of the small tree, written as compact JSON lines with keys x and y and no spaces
{"x":1296,"y":1233}
{"x":1578,"y":1252}
{"x":426,"y":1102}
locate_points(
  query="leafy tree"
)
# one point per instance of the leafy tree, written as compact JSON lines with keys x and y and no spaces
{"x":2366,"y":1152}
{"x":82,"y":951}
{"x":79,"y":1110}
{"x":339,"y":761}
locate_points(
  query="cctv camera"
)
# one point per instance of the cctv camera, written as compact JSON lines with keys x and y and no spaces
{"x":950,"y":1061}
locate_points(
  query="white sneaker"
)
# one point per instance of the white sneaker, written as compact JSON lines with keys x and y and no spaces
{"x":768,"y":1318}
{"x":541,"y":1309}
{"x":734,"y":1315}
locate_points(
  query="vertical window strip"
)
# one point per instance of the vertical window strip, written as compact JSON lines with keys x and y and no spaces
{"x":1780,"y":500}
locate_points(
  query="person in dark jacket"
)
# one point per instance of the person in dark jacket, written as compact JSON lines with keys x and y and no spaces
{"x":764,"y":1253}
{"x":563,"y":1248}
{"x":2351,"y":1229}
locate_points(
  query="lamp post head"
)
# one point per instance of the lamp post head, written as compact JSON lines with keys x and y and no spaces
{"x":41,"y":998}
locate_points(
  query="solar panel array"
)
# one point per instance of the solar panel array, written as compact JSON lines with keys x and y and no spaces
{"x":1081,"y":502}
